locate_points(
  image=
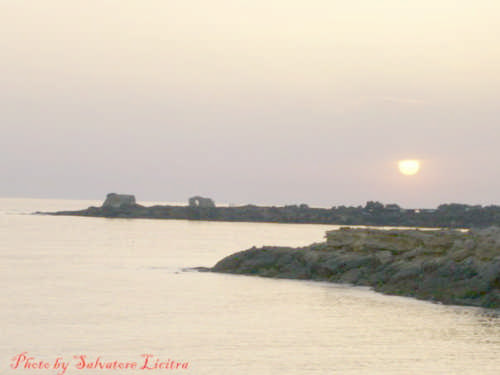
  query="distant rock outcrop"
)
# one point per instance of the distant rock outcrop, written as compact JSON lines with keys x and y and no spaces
{"x":118,"y":200}
{"x":201,"y":202}
{"x":373,"y":214}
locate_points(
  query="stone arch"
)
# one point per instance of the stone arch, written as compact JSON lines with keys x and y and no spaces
{"x":198,"y":201}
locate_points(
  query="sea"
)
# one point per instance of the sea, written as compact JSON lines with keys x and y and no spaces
{"x":88,"y":296}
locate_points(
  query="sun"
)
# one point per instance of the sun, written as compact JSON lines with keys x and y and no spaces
{"x":409,"y":167}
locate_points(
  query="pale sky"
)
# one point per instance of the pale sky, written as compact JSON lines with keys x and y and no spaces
{"x":264,"y":102}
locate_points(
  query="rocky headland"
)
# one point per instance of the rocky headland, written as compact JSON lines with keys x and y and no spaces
{"x":372,"y":214}
{"x":447,"y":266}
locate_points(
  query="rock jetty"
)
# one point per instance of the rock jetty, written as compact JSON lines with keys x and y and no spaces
{"x":447,"y":266}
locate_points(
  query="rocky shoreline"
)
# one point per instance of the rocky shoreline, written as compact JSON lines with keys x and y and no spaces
{"x":372,"y":214}
{"x":447,"y":266}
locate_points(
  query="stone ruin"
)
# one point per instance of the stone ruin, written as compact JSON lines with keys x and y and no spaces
{"x":201,"y":202}
{"x":118,"y":200}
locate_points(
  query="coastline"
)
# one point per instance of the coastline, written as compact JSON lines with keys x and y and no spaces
{"x":446,"y":266}
{"x":451,"y":266}
{"x":372,"y":214}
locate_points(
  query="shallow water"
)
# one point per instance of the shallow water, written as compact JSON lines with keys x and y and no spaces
{"x":114,"y":289}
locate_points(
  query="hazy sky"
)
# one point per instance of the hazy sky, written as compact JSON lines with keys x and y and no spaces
{"x":260,"y":101}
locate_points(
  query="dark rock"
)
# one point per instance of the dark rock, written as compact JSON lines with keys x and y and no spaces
{"x":348,"y":256}
{"x":198,"y":269}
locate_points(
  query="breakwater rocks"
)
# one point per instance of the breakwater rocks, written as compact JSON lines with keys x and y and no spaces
{"x":448,"y":266}
{"x":373,"y":213}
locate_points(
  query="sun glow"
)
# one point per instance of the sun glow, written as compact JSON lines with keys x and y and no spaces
{"x":409,"y":167}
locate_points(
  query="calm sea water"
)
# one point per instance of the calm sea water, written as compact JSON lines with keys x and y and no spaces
{"x":114,"y":290}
